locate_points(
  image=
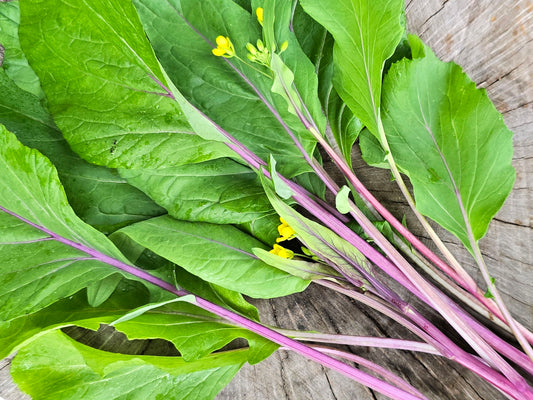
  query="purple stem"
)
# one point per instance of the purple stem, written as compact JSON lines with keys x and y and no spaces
{"x":400,"y":383}
{"x":360,"y":341}
{"x":308,"y":352}
{"x":447,"y":347}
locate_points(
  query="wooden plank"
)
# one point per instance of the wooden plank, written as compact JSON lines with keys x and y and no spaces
{"x":493,"y":42}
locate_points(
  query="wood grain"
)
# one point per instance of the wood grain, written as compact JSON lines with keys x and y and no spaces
{"x":493,"y":42}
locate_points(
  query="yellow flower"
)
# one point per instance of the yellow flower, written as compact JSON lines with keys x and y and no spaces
{"x":285,"y":231}
{"x":224,"y":47}
{"x":259,"y":13}
{"x":282,"y":252}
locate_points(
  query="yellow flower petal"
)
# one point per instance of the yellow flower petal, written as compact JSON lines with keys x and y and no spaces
{"x":282,"y":251}
{"x":218,"y":52}
{"x":259,"y":13}
{"x":222,"y":41}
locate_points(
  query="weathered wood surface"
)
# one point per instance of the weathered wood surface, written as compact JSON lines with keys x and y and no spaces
{"x":493,"y":41}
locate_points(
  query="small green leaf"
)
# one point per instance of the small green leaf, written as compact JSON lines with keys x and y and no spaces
{"x":342,"y":200}
{"x":282,"y":83}
{"x":14,"y":63}
{"x":98,"y":292}
{"x":300,"y":268}
{"x":282,"y":189}
{"x":488,"y":294}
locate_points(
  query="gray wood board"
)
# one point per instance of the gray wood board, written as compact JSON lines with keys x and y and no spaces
{"x":493,"y":42}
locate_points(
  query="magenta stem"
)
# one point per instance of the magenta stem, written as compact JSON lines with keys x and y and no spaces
{"x":384,"y":373}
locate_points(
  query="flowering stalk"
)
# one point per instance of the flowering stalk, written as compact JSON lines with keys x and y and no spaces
{"x":399,"y":269}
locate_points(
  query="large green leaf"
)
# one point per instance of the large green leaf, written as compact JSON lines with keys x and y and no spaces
{"x":366,"y":34}
{"x":220,"y":254}
{"x":450,"y":140}
{"x":105,"y":87}
{"x":14,"y":63}
{"x":98,"y":195}
{"x":182,"y":35}
{"x":55,"y":367}
{"x":38,"y":265}
{"x":219,"y":191}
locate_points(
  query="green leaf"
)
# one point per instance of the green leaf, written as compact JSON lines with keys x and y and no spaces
{"x":14,"y":63}
{"x":282,"y":189}
{"x":220,"y":254}
{"x":371,"y":150}
{"x":105,"y":88}
{"x":78,"y":371}
{"x":98,"y":292}
{"x":34,"y":263}
{"x":193,"y":331}
{"x":318,"y":45}
{"x":98,"y":195}
{"x":73,"y":310}
{"x":366,"y":34}
{"x":451,"y":141}
{"x":219,"y":191}
{"x":341,"y":200}
{"x":300,"y":268}
{"x":182,"y":34}
{"x":283,"y":83}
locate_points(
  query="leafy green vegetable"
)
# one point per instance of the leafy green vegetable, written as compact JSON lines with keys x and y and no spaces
{"x":34,"y":264}
{"x":220,"y":254}
{"x":366,"y":35}
{"x":341,"y":200}
{"x":450,"y":140}
{"x":278,"y":13}
{"x":78,"y":371}
{"x":218,"y":191}
{"x":105,"y":86}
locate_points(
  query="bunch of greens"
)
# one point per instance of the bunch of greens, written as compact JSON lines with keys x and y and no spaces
{"x":161,"y":159}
